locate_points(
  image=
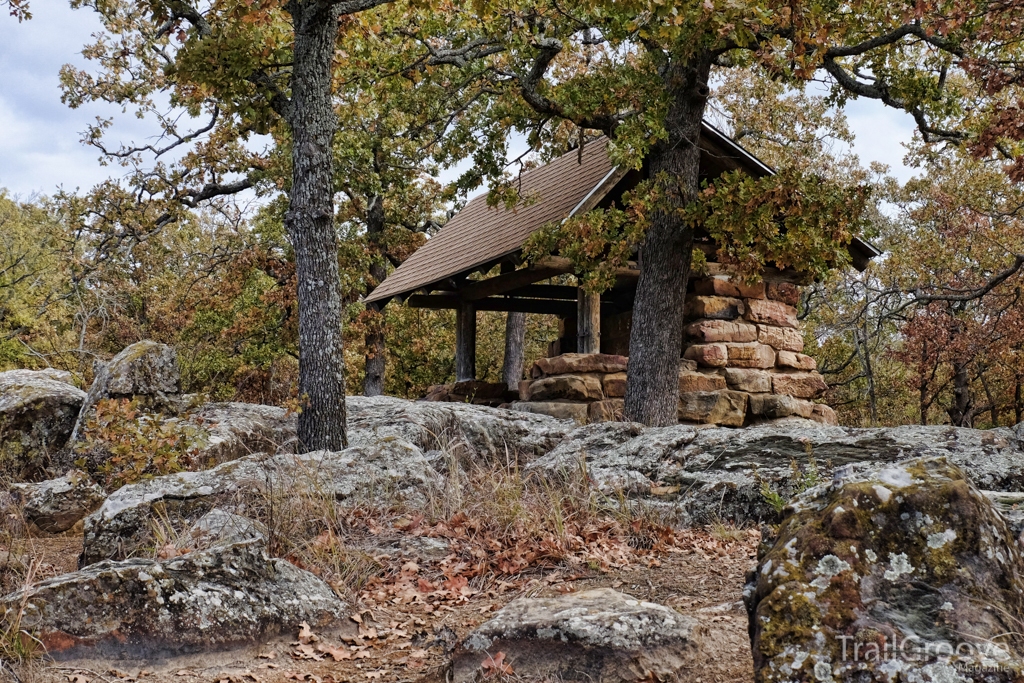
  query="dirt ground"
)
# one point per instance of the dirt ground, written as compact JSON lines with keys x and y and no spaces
{"x":402,"y":629}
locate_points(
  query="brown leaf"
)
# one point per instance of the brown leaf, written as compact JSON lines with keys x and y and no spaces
{"x":338,"y":653}
{"x":495,"y":665}
{"x":664,"y":490}
{"x":306,"y":635}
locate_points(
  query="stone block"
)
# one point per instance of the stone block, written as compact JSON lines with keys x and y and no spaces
{"x":797,"y":361}
{"x":700,"y":381}
{"x":728,"y":408}
{"x":524,"y":389}
{"x":716,"y":307}
{"x":578,"y":362}
{"x":570,"y":387}
{"x":771,"y":312}
{"x":781,"y":338}
{"x":614,"y":385}
{"x":753,"y":355}
{"x":562,"y":410}
{"x":775,"y":406}
{"x":708,"y":355}
{"x":686,"y":365}
{"x":724,"y":286}
{"x":799,"y":384}
{"x":748,"y":379}
{"x":710,"y":331}
{"x":608,"y":410}
{"x":824,"y":414}
{"x":786,"y":292}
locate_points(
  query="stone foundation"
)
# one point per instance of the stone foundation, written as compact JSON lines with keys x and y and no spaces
{"x":475,"y":392}
{"x":743,"y":363}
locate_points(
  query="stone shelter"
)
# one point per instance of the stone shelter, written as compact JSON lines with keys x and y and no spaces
{"x":742,"y":360}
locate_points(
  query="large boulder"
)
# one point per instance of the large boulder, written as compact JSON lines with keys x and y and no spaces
{"x":56,"y":505}
{"x":478,"y":432}
{"x":213,"y":599}
{"x":392,"y":470}
{"x":228,"y":431}
{"x":37,"y":414}
{"x":703,"y":473}
{"x":598,"y":636}
{"x":146,"y":370}
{"x":902,"y":572}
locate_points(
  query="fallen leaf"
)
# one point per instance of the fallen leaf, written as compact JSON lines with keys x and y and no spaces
{"x":267,"y":655}
{"x":338,"y":653}
{"x":306,"y":634}
{"x":664,"y":490}
{"x":495,"y":665}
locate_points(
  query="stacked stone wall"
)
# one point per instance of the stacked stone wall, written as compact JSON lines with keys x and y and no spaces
{"x":743,"y":363}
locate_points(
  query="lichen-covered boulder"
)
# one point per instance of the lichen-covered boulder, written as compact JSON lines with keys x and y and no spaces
{"x":56,"y":505}
{"x":213,"y":599}
{"x":904,"y":572}
{"x":38,"y":409}
{"x":701,"y":473}
{"x":474,"y":432}
{"x":146,"y":370}
{"x":220,"y":527}
{"x":229,"y":431}
{"x":392,"y":470}
{"x":598,"y":636}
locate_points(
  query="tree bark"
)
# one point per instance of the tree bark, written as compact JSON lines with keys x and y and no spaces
{"x":373,"y":380}
{"x":310,"y":224}
{"x":960,"y":413}
{"x":656,"y":337}
{"x":515,"y":343}
{"x":465,"y":343}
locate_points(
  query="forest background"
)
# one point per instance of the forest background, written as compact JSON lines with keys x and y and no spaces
{"x":218,"y":282}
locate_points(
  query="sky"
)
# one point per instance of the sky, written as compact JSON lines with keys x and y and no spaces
{"x":40,"y":148}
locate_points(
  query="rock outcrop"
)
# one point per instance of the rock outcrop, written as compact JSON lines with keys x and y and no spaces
{"x":225,"y":596}
{"x":704,"y":473}
{"x":228,"y":431}
{"x":146,"y":370}
{"x":56,"y":505}
{"x":391,"y":470}
{"x":599,"y":636}
{"x":900,"y":572}
{"x":477,"y":432}
{"x":38,"y":409}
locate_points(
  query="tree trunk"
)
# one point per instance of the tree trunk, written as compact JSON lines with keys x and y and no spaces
{"x":1018,"y":401}
{"x":515,"y":343}
{"x":656,"y":337}
{"x":960,"y":413}
{"x":310,"y":225}
{"x":373,"y":380}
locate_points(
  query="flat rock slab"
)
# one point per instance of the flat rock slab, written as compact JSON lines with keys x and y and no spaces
{"x":599,"y":636}
{"x":223,"y":597}
{"x":56,"y":505}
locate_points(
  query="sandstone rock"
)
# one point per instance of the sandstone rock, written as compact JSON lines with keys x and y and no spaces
{"x":57,"y":505}
{"x":220,"y":527}
{"x":786,"y":292}
{"x":824,"y":414}
{"x":226,"y":596}
{"x":700,"y":381}
{"x":391,"y":471}
{"x":598,"y":636}
{"x":777,"y":406}
{"x":909,"y":556}
{"x":687,"y":365}
{"x":235,"y":430}
{"x":560,"y":410}
{"x":723,"y":286}
{"x":727,"y":408}
{"x":578,"y":362}
{"x":37,"y":416}
{"x":145,"y":370}
{"x":780,"y":338}
{"x":720,"y":471}
{"x":708,"y":331}
{"x":476,"y":432}
{"x":771,"y":312}
{"x":750,"y":380}
{"x":799,"y":384}
{"x":614,"y":385}
{"x":716,"y":307}
{"x":569,"y":387}
{"x":708,"y":355}
{"x":797,"y":361}
{"x":609,"y":410}
{"x":752,"y":355}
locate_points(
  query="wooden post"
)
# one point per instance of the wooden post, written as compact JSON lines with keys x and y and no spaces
{"x":588,"y":322}
{"x":465,"y":343}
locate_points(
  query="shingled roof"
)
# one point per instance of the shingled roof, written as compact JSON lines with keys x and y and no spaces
{"x":480,"y":234}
